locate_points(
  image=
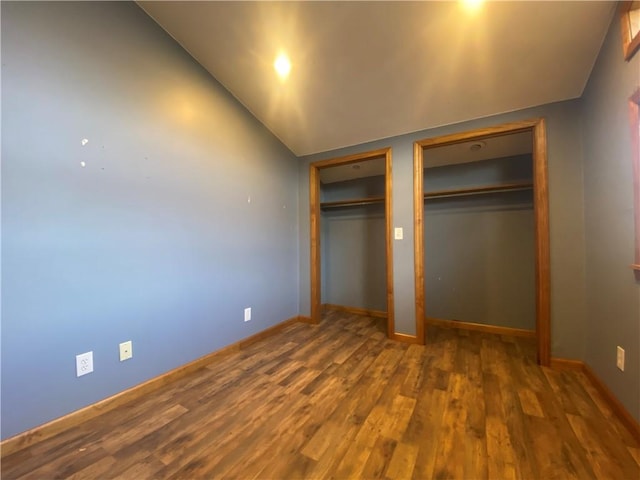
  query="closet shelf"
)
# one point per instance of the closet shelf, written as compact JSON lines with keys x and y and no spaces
{"x":352,"y":202}
{"x":458,"y":192}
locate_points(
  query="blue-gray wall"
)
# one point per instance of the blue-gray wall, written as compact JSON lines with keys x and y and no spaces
{"x":353,"y":257}
{"x":564,"y":137}
{"x":479,"y":260}
{"x":613,"y":295}
{"x":154,"y":240}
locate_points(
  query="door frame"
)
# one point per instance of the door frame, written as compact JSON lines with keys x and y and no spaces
{"x":314,"y":204}
{"x":541,"y":219}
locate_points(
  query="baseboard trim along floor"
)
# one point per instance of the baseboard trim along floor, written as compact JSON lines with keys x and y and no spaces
{"x":49,"y":429}
{"x":616,"y":405}
{"x":481,"y":327}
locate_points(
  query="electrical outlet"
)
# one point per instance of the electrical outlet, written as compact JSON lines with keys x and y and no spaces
{"x":84,"y":364}
{"x":620,"y":358}
{"x":126,"y":351}
{"x":247,"y":314}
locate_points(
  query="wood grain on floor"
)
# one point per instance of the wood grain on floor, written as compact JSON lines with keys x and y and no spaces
{"x":339,"y":400}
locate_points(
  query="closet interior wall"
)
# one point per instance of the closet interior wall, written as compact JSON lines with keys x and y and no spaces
{"x":353,"y":268}
{"x":479,"y":250}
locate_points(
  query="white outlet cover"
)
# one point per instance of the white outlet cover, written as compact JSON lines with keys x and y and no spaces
{"x":398,"y":233}
{"x":247,"y":314}
{"x":84,"y":364}
{"x":126,"y":350}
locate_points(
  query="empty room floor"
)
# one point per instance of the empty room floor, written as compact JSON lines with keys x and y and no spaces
{"x":339,"y":400}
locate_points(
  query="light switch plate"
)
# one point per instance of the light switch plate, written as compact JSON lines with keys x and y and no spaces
{"x":398,"y":233}
{"x":126,"y":350}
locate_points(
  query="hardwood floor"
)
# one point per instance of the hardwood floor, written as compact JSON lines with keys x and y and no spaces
{"x":339,"y":400}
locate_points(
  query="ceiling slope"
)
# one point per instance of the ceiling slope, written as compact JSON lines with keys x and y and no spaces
{"x":362,"y":71}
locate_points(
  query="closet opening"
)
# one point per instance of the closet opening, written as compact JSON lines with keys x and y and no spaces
{"x":351,"y":243}
{"x":482,"y":232}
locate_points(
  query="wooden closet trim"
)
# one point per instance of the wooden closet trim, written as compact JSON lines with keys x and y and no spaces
{"x":314,"y":204}
{"x":541,"y":216}
{"x":630,"y":42}
{"x":634,"y":121}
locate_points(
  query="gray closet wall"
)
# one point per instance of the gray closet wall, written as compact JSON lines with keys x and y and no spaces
{"x":479,"y":249}
{"x":353,"y":246}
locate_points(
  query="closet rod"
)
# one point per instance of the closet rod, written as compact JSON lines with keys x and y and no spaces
{"x":353,"y":202}
{"x":504,"y":187}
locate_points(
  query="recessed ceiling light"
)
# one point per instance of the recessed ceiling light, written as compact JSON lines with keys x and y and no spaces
{"x":472,"y":5}
{"x":282,"y":65}
{"x":477,"y":146}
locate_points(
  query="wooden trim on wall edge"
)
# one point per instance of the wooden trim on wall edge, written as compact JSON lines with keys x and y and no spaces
{"x":404,"y":338}
{"x":486,"y":132}
{"x":355,"y":310}
{"x":616,"y":405}
{"x":306,"y":319}
{"x":619,"y":410}
{"x":388,"y":215}
{"x":630,"y":43}
{"x":481,"y":327}
{"x":47,"y":430}
{"x":542,"y":241}
{"x":356,"y":157}
{"x":314,"y":243}
{"x":567,"y":364}
{"x":418,"y":239}
{"x":634,"y":122}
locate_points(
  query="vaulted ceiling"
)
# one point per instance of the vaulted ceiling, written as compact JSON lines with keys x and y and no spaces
{"x":362,"y":71}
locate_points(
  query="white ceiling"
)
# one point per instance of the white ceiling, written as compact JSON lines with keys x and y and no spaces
{"x":362,"y":71}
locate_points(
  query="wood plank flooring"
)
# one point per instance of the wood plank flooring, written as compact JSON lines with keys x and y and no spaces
{"x":339,"y":400}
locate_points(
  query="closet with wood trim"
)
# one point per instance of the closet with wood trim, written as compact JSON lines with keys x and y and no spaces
{"x":350,"y":236}
{"x":518,"y":138}
{"x":479,"y":238}
{"x":353,"y":244}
